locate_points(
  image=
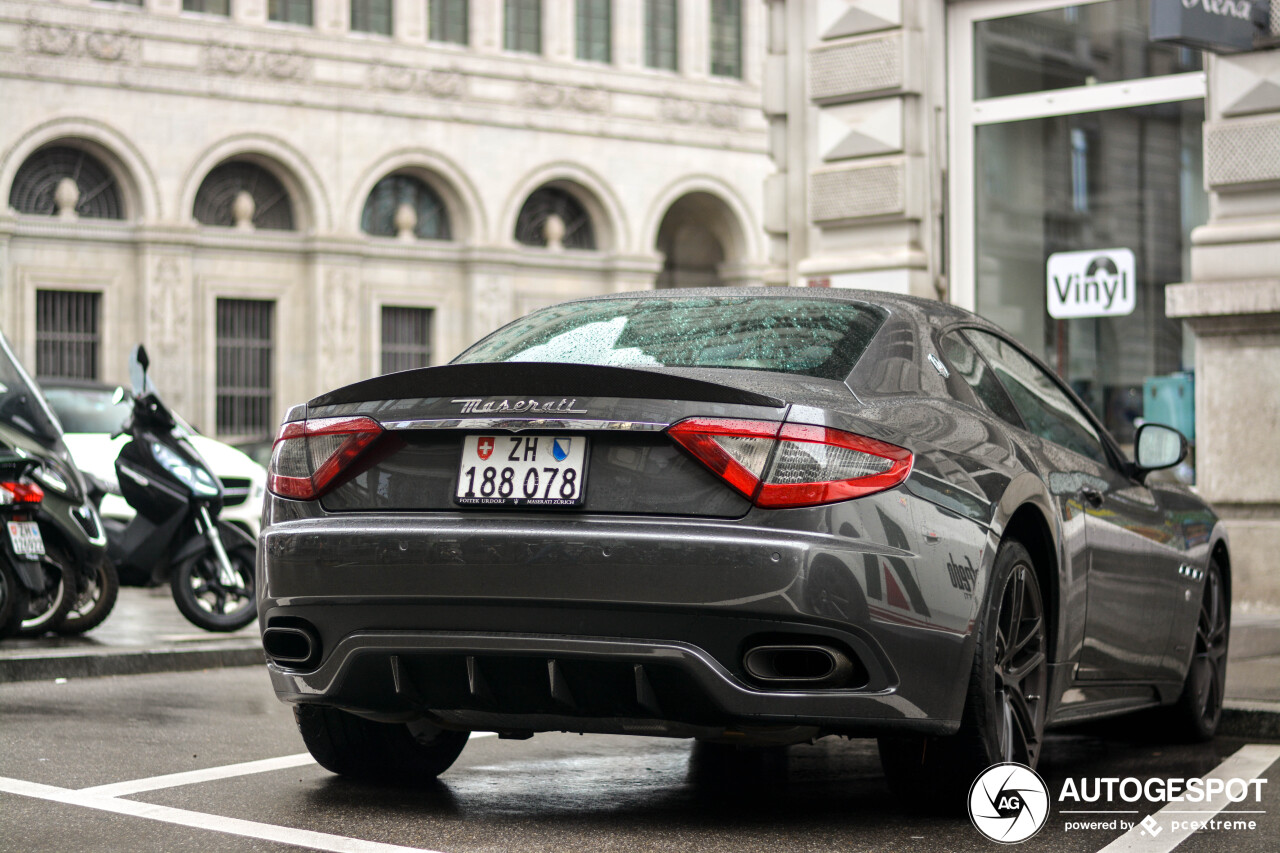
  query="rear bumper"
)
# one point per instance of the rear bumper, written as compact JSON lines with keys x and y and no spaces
{"x":518,"y":623}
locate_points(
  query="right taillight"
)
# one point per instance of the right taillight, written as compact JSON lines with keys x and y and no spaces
{"x":792,"y":465}
{"x":309,"y":457}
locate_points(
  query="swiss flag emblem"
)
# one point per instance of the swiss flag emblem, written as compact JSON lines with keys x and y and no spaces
{"x":484,"y":447}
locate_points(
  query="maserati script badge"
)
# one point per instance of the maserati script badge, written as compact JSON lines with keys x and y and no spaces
{"x":478,"y":405}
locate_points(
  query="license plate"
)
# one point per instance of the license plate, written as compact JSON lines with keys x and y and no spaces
{"x":25,"y":538}
{"x":522,"y":470}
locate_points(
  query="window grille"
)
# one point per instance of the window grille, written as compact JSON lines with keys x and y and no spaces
{"x":392,"y":191}
{"x":406,"y":338}
{"x":594,"y":30}
{"x":209,"y":7}
{"x":371,"y":16}
{"x":662,"y":34}
{"x":522,"y":26}
{"x":244,"y":367}
{"x":67,"y":334}
{"x":216,"y":197}
{"x":578,"y":230}
{"x":449,"y":21}
{"x":726,"y":38}
{"x":290,"y":11}
{"x":36,"y":184}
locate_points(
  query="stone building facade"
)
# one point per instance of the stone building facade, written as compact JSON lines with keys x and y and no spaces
{"x":278,"y":202}
{"x":948,"y":148}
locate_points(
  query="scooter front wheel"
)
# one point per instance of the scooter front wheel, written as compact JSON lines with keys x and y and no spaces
{"x":205,"y":600}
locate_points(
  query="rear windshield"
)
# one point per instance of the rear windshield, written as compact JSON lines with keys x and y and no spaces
{"x":809,"y":337}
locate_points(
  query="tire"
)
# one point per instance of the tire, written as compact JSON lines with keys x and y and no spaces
{"x":361,"y":749}
{"x":13,"y":600}
{"x":1004,"y":709}
{"x":1194,"y":717}
{"x":203,"y":599}
{"x":94,"y":600}
{"x":47,"y":609}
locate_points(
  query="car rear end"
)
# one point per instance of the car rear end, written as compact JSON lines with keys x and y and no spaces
{"x":702,"y":547}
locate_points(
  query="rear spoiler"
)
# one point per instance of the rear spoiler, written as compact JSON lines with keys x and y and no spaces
{"x":522,"y":379}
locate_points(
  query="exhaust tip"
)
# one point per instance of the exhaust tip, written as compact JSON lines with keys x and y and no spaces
{"x":799,"y":665}
{"x":291,"y":646}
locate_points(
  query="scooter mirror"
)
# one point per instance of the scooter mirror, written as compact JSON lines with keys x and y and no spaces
{"x":117,"y":396}
{"x":138,"y":364}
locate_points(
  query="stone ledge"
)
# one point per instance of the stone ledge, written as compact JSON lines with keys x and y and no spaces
{"x":1222,"y":298}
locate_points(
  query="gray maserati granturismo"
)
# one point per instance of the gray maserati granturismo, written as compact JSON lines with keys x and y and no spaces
{"x":752,"y":517}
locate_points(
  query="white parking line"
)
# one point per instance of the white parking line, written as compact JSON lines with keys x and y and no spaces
{"x":107,"y":798}
{"x":1247,"y":763}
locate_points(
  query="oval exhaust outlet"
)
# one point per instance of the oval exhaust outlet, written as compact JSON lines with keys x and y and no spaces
{"x":290,"y":646}
{"x":808,"y":665}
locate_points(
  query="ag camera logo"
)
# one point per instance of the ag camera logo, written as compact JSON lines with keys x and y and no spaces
{"x":1008,"y":803}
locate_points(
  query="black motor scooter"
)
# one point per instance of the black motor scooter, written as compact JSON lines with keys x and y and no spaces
{"x":175,"y":535}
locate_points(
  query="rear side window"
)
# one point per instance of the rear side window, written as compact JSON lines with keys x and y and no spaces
{"x":966,"y":362}
{"x":808,"y":337}
{"x":1045,"y":408}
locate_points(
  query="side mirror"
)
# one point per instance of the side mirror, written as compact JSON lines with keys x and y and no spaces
{"x":117,"y":396}
{"x":1157,"y":446}
{"x":138,"y":364}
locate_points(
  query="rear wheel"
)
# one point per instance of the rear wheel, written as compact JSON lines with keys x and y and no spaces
{"x":47,"y":608}
{"x":13,"y":600}
{"x":1195,"y":715}
{"x":1004,"y":709}
{"x":377,"y":752}
{"x":94,"y":600}
{"x":208,"y":602}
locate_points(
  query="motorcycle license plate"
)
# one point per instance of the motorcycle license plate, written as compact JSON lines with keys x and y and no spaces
{"x":25,"y":538}
{"x":520,"y":470}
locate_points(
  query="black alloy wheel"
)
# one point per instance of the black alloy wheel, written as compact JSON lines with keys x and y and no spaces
{"x":205,"y":600}
{"x":342,"y":743}
{"x":13,"y":599}
{"x":94,"y":601}
{"x":1004,"y":710}
{"x":1195,"y":715}
{"x":47,"y":608}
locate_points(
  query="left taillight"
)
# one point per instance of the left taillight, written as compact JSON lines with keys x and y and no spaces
{"x":20,"y":493}
{"x":792,"y":465}
{"x":310,"y":457}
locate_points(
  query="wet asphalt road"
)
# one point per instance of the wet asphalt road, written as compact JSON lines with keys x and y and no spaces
{"x":556,"y":792}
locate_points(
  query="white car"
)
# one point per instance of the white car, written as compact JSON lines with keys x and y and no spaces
{"x":89,"y":419}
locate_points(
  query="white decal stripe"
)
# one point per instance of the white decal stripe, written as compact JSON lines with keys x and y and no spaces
{"x":1248,"y":763}
{"x":197,"y":820}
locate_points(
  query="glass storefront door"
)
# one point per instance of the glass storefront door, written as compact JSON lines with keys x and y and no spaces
{"x":1077,"y":135}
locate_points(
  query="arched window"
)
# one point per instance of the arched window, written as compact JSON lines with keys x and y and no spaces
{"x":35,"y":187}
{"x":531,"y":225}
{"x":382,"y":215}
{"x":216,"y":199}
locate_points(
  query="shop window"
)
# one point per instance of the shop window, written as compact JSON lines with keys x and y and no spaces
{"x":662,"y":34}
{"x":208,"y":7}
{"x":66,"y":180}
{"x":406,"y":338}
{"x":522,"y":26}
{"x":449,"y":21}
{"x":243,"y":194}
{"x":1076,"y":46}
{"x":290,"y":11}
{"x":244,"y":367}
{"x":575,"y":229}
{"x":68,"y":338}
{"x":371,"y":16}
{"x":386,"y":211}
{"x":594,"y":30}
{"x":726,"y":38}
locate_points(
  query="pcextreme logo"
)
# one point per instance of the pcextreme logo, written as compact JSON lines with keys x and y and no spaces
{"x":1008,"y":803}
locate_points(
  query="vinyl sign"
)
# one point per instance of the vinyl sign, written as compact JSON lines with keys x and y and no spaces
{"x":1096,"y":283}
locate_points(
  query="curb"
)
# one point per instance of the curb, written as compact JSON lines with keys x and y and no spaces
{"x":1250,"y":719}
{"x":46,"y":667}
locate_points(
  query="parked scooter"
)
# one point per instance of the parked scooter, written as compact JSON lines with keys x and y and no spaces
{"x":73,"y":590}
{"x":176,"y":535}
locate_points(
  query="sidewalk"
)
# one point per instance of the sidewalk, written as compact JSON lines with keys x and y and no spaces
{"x":146,"y":633}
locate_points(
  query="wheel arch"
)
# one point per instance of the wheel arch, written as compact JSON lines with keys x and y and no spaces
{"x":1029,"y":526}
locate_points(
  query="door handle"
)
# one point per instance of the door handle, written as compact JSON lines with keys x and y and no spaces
{"x":1091,"y":495}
